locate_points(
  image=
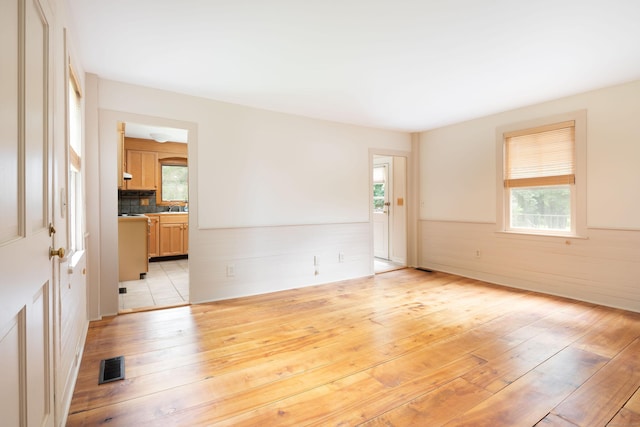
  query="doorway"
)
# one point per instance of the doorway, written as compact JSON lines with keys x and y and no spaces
{"x":154,"y":192}
{"x":389,"y":212}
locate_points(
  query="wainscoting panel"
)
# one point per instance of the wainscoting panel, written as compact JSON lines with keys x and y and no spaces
{"x":71,"y":308}
{"x":268,"y":259}
{"x":603,"y":268}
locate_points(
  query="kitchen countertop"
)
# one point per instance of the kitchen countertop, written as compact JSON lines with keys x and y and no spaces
{"x":167,"y":213}
{"x":133,"y":218}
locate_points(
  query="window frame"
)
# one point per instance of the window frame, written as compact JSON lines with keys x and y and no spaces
{"x":75,"y":194}
{"x":578,"y":189}
{"x":384,"y":182}
{"x":171,"y":161}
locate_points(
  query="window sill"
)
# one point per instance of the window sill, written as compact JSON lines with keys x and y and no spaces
{"x":74,"y":259}
{"x":529,"y":235}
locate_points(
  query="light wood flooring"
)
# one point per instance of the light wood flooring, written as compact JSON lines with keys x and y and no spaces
{"x":402,"y":348}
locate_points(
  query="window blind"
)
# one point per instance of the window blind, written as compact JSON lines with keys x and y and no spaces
{"x":540,"y":156}
{"x":379,"y":175}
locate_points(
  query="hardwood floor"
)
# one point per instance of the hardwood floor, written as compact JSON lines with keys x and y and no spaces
{"x":401,"y":348}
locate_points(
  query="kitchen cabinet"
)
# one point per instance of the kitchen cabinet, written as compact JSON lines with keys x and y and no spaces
{"x":154,"y":235}
{"x":174,"y":234}
{"x":132,"y":247}
{"x":143,"y":166}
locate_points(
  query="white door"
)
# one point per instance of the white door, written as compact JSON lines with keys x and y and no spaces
{"x":26,"y":397}
{"x":381,"y":207}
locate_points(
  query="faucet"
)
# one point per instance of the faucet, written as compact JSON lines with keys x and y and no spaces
{"x":172,"y":206}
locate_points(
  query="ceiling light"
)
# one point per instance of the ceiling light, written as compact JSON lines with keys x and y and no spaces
{"x":159,"y":137}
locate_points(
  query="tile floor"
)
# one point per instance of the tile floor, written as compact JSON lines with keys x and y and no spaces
{"x":166,"y":284}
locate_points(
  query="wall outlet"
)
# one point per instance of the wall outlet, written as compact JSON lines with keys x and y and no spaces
{"x":341,"y":257}
{"x":477,"y":254}
{"x":231,"y":270}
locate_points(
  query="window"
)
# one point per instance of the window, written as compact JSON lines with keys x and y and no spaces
{"x":174,"y":182}
{"x":379,"y":183}
{"x":74,"y":185}
{"x":541,"y":188}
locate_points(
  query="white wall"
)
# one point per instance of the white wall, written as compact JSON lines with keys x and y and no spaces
{"x":458,"y":205}
{"x":268,"y":192}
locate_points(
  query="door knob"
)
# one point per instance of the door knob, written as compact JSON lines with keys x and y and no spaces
{"x":56,"y":252}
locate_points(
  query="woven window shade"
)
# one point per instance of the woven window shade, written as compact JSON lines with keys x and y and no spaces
{"x":540,"y":156}
{"x":379,"y":175}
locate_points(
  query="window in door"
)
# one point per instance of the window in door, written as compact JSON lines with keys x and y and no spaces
{"x":379,"y":184}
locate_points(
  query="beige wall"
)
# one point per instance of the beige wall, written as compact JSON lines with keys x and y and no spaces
{"x":458,"y":204}
{"x":268,"y":192}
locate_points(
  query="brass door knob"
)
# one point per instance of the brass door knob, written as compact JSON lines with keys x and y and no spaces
{"x":56,"y":252}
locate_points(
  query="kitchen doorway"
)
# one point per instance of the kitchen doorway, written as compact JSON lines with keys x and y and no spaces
{"x":154,"y":192}
{"x":389,"y":212}
{"x":166,"y":284}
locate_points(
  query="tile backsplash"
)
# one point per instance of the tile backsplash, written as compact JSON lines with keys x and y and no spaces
{"x":137,"y":202}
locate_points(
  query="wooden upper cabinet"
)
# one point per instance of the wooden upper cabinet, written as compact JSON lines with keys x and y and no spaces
{"x":143,"y":166}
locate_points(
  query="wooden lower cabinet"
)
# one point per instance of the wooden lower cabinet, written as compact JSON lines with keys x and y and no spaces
{"x":173,"y":234}
{"x":154,"y":236}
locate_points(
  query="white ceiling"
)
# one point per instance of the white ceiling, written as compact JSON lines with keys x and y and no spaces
{"x":160,"y":134}
{"x":406,"y":64}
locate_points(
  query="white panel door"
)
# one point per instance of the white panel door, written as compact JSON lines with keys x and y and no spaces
{"x":381,"y":210}
{"x":26,"y":397}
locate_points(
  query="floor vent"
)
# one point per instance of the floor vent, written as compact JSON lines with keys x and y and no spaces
{"x":111,"y":370}
{"x":122,"y":290}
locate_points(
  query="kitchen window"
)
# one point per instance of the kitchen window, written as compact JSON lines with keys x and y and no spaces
{"x":174,"y":181}
{"x":542,"y":185}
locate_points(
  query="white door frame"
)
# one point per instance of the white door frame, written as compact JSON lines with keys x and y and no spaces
{"x":382,"y":220}
{"x":408,"y":202}
{"x":103,"y":290}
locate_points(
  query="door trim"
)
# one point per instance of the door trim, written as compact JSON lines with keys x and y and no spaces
{"x":104,"y":289}
{"x":410,"y":226}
